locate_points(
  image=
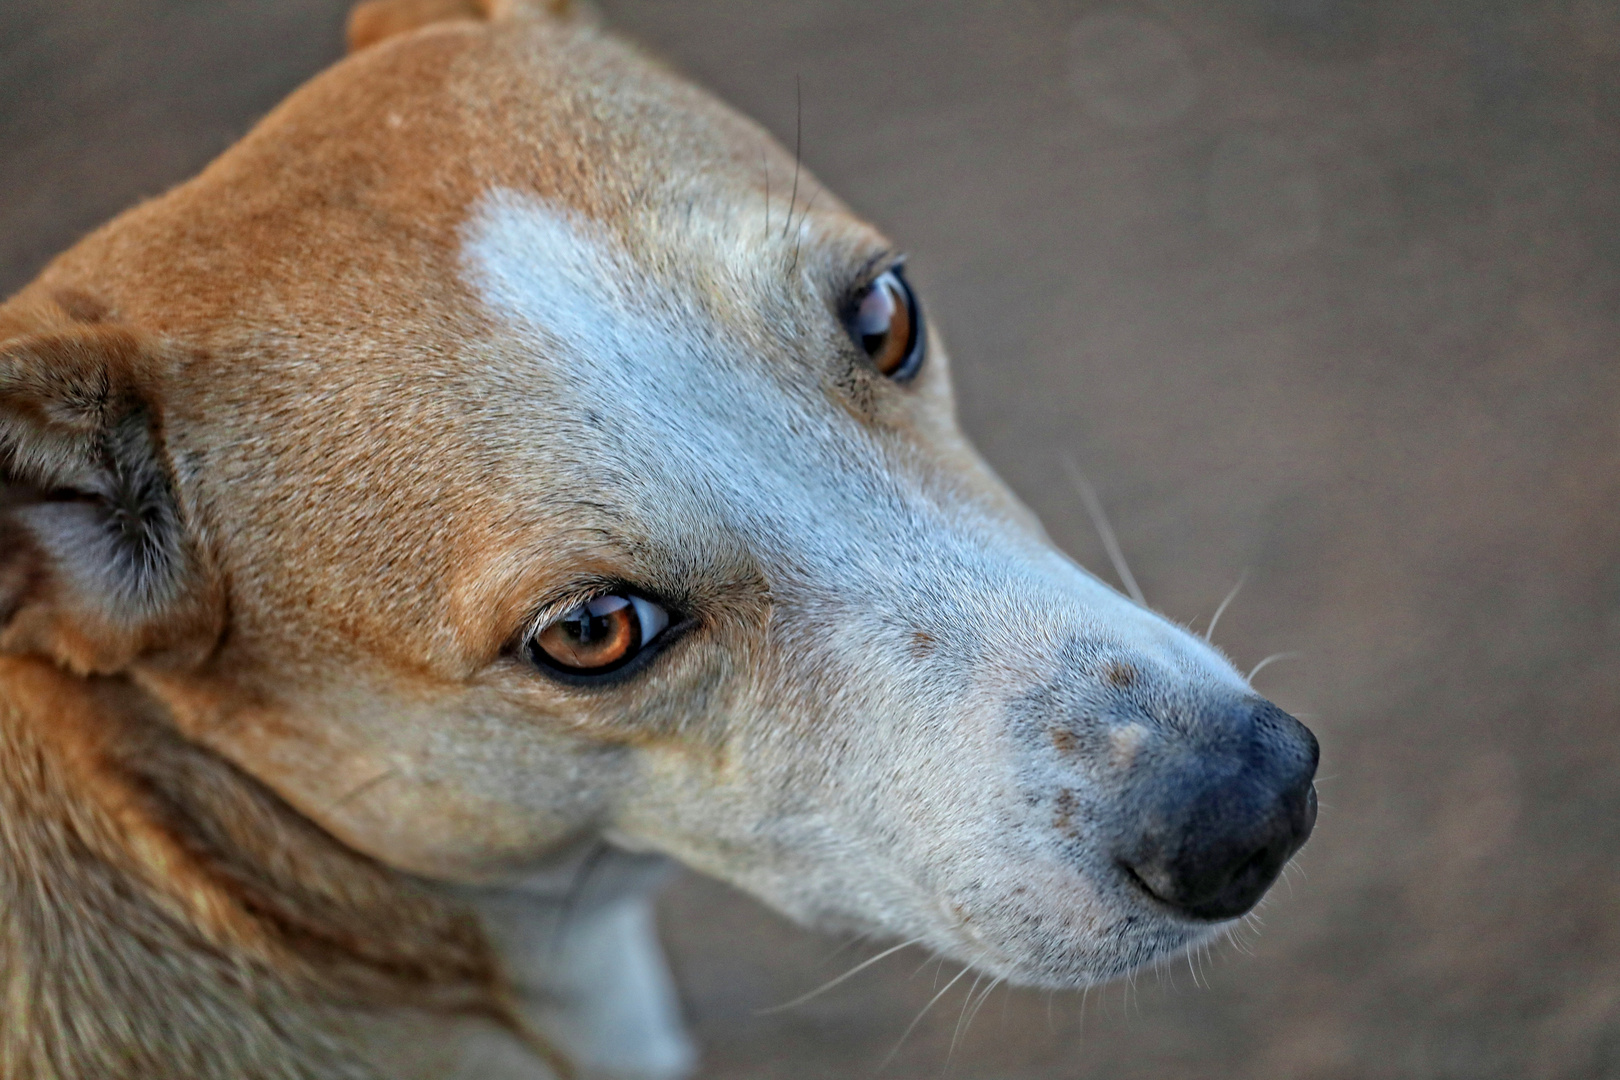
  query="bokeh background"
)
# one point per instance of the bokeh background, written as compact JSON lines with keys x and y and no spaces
{"x":1323,"y":292}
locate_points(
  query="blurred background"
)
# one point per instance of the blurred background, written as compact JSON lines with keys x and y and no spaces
{"x":1323,"y":292}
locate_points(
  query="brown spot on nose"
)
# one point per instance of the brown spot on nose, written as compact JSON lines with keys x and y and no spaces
{"x":1119,"y":674}
{"x":922,"y":644}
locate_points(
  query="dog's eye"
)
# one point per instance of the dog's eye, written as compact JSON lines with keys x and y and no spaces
{"x":600,"y":635}
{"x":887,"y":325}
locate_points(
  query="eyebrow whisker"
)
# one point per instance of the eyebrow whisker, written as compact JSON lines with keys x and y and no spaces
{"x":1099,"y":518}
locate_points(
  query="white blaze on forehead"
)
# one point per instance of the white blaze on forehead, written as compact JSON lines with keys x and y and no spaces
{"x":683,"y":409}
{"x":702,"y":422}
{"x":703,"y":433}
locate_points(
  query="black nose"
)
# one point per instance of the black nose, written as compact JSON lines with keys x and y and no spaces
{"x":1217,"y":824}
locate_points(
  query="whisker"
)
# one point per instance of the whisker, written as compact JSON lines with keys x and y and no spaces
{"x":766,"y":165}
{"x":849,"y":943}
{"x":576,"y":890}
{"x":997,"y":981}
{"x":967,"y":1001}
{"x":824,"y":987}
{"x":913,"y":1025}
{"x":798,"y":145}
{"x":971,"y":1011}
{"x":1268,"y":661}
{"x":1209,"y":634}
{"x":798,"y":237}
{"x":1099,"y":518}
{"x":364,"y":786}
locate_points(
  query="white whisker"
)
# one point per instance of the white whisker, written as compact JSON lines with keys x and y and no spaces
{"x":849,"y":943}
{"x":1094,"y":507}
{"x":857,"y":969}
{"x":913,"y":1025}
{"x":970,"y":1011}
{"x":1268,"y":661}
{"x":984,"y":998}
{"x":1209,"y":634}
{"x":967,"y":1002}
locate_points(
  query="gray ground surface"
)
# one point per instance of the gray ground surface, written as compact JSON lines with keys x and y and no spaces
{"x":1322,"y":290}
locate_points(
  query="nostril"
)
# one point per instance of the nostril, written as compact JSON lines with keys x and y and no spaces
{"x":1253,"y":866}
{"x":1211,"y":885}
{"x":1135,"y":877}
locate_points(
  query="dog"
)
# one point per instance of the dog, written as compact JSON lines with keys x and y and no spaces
{"x":502,"y":472}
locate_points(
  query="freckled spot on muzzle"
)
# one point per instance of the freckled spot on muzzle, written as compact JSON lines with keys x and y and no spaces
{"x":1118,"y":674}
{"x":1064,"y":740}
{"x":922,"y":645}
{"x":1175,"y":789}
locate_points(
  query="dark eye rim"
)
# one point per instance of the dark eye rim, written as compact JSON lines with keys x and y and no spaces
{"x":528,"y":646}
{"x":917,"y":345}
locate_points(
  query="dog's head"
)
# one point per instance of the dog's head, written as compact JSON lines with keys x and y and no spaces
{"x":507,"y":443}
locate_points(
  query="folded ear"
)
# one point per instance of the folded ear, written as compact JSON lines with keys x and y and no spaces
{"x":96,"y":567}
{"x":377,"y":20}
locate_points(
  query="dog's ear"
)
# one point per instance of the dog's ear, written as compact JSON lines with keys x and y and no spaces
{"x":96,"y":567}
{"x":378,"y":20}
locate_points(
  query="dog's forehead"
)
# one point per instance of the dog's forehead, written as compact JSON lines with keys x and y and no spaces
{"x":589,"y":123}
{"x":682,"y":395}
{"x":512,"y":271}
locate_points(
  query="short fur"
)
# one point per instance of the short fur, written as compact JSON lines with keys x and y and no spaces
{"x":494,"y":313}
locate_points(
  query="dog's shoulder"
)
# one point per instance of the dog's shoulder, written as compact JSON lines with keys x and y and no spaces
{"x":157,"y":907}
{"x":100,"y":974}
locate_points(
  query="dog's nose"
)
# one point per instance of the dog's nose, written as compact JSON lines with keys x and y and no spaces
{"x":1219,"y":822}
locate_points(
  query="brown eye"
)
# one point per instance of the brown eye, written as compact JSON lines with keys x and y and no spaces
{"x":601,"y":635}
{"x":887,"y":325}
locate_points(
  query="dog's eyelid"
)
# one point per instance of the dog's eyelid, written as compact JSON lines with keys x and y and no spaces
{"x":869,"y":272}
{"x":652,"y":606}
{"x":549,"y":611}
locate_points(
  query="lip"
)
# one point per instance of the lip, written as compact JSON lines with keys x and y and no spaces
{"x":1015,"y":956}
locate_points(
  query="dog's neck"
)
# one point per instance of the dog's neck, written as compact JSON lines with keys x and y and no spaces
{"x":150,"y":888}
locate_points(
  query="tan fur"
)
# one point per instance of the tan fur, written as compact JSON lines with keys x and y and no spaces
{"x":162,"y":913}
{"x":377,"y":20}
{"x":211,"y":931}
{"x":291,"y":464}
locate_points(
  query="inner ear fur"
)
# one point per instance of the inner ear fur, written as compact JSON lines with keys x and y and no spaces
{"x":378,"y":20}
{"x":96,"y":565}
